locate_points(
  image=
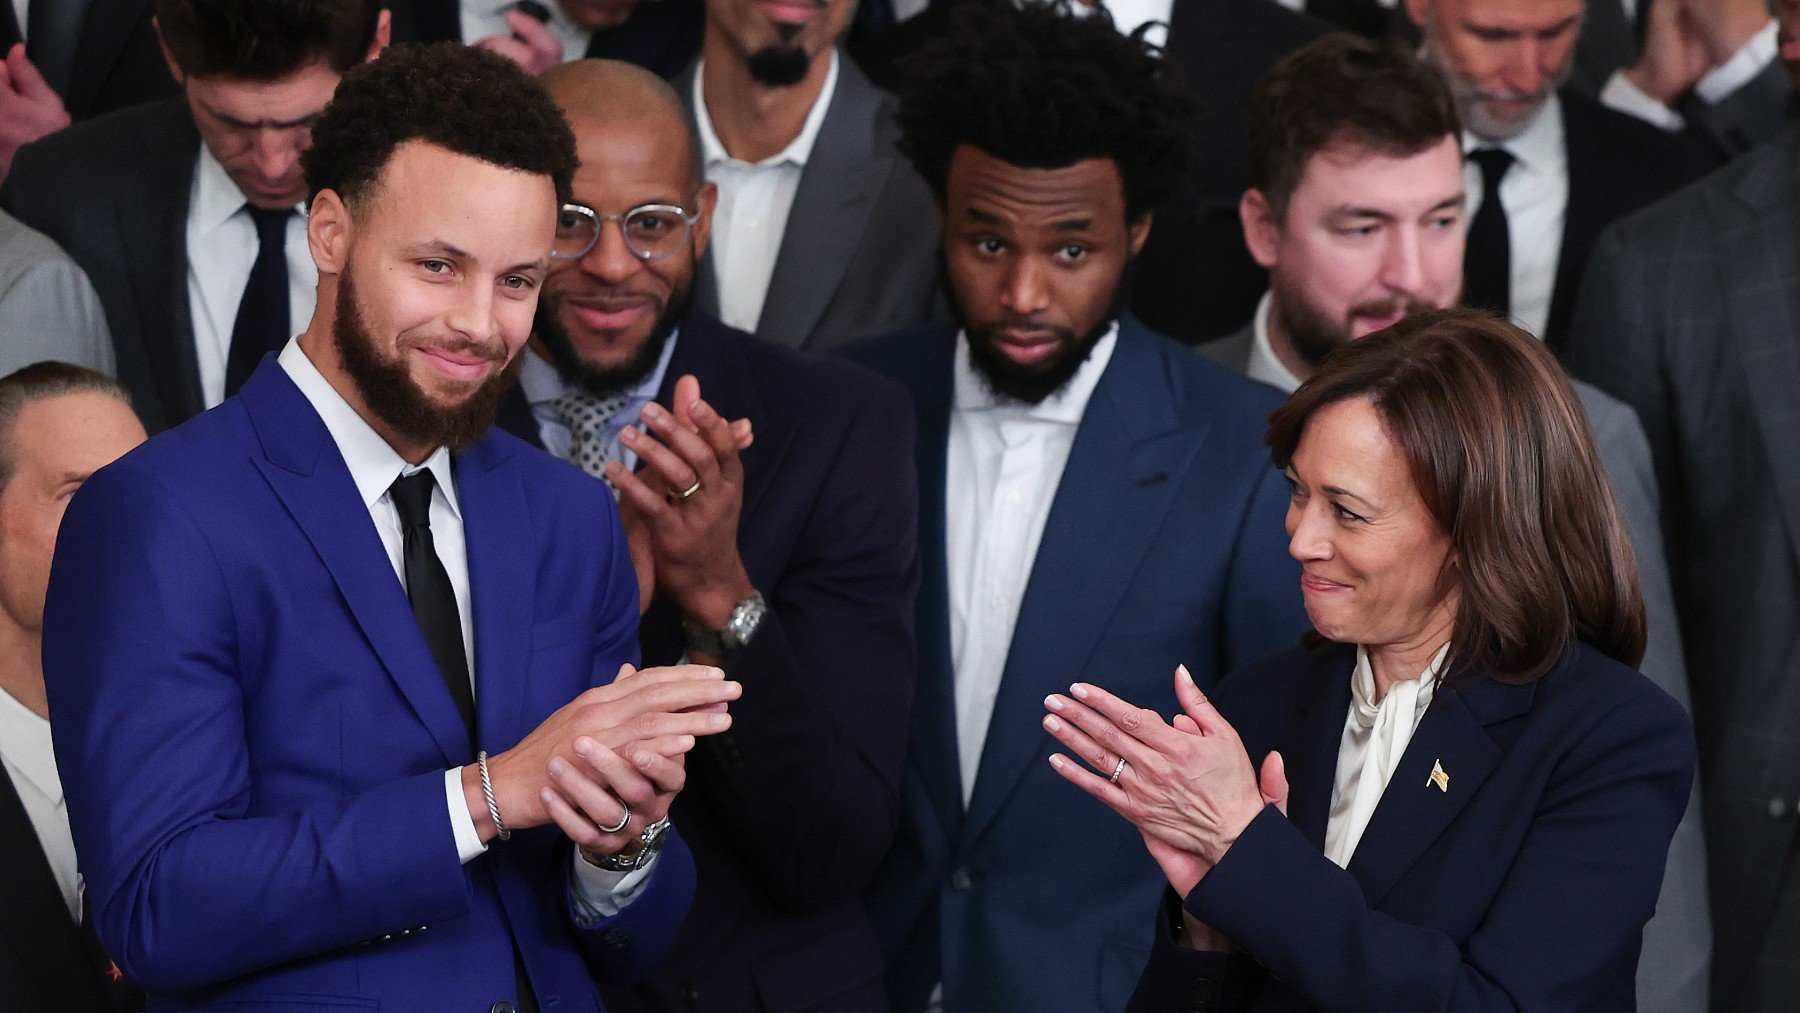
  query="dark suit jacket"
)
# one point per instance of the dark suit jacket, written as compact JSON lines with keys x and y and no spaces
{"x":1690,"y":314}
{"x":1163,"y":545}
{"x":790,"y":811}
{"x":1195,"y":279}
{"x":662,"y":36}
{"x":1617,"y":164}
{"x":860,"y":254}
{"x":113,"y":193}
{"x":253,"y":734}
{"x":46,"y":960}
{"x":117,"y":61}
{"x":1672,"y":976}
{"x":1524,"y":883}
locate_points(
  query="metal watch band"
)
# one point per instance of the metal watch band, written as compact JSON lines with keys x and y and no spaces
{"x":746,"y":617}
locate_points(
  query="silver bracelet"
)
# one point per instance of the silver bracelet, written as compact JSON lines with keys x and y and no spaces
{"x":487,"y":790}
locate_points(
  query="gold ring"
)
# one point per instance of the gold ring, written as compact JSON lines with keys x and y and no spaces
{"x":689,"y":491}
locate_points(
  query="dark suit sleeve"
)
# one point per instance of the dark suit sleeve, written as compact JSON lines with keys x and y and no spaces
{"x":807,"y":780}
{"x":1264,"y":612}
{"x":189,"y":890}
{"x":1750,"y":115}
{"x":1565,"y":921}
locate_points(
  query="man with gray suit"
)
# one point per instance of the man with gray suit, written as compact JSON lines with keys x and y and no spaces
{"x":48,"y":310}
{"x":1691,"y":315}
{"x":823,"y":233}
{"x":1356,"y":209}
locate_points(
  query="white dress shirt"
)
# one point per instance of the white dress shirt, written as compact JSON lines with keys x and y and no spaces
{"x":484,"y":18}
{"x":542,"y":384}
{"x":1005,"y":461}
{"x":1264,"y":364}
{"x":1375,"y":738}
{"x":25,"y":752}
{"x":221,"y":249}
{"x":1535,"y":194}
{"x":754,"y":200}
{"x":374,"y":465}
{"x":1715,"y":86}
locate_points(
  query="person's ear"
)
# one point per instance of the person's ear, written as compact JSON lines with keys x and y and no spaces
{"x":162,"y":45}
{"x":708,"y":199}
{"x":1261,"y":230}
{"x":1140,"y":232}
{"x":329,"y":228}
{"x":1417,"y":11}
{"x":384,"y":34}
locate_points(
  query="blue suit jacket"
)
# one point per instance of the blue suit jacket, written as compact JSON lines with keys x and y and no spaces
{"x":252,"y":732}
{"x":1524,"y":884}
{"x":1164,"y":545}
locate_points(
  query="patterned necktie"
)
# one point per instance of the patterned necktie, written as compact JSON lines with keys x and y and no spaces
{"x":587,"y":416}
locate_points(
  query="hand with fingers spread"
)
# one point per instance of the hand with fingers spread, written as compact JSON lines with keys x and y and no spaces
{"x":1188,"y":786}
{"x":682,"y":508}
{"x":531,"y":45}
{"x":655,"y":713}
{"x":29,"y":109}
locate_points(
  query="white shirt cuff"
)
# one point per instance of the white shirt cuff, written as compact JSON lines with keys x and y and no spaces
{"x":1622,"y":96}
{"x":1717,"y":84}
{"x":468,"y":840}
{"x":599,"y":893}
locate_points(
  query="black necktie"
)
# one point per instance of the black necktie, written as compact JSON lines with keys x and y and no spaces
{"x":428,"y":588}
{"x":1487,"y":262}
{"x":262,"y":318}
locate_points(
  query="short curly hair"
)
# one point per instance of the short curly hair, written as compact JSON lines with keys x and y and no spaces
{"x":263,"y":40}
{"x":1042,"y":87}
{"x":466,"y":100}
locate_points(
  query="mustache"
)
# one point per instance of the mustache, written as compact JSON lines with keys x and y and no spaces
{"x":492,"y":351}
{"x":1389,"y":307}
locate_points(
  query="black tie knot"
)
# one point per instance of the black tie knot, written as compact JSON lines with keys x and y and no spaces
{"x":271,"y":226}
{"x":1493,"y":162}
{"x":412,"y":498}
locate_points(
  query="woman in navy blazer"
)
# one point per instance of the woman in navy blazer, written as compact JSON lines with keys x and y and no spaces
{"x":1466,"y":793}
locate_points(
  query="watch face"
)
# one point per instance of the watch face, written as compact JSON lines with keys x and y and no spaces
{"x":654,"y":834}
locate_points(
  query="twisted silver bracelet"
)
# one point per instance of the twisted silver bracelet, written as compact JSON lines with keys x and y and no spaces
{"x":487,"y":791}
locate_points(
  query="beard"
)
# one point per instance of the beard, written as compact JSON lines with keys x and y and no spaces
{"x":781,"y":65}
{"x":601,"y":380}
{"x":1312,"y":333}
{"x":390,"y":393}
{"x":1032,"y":386}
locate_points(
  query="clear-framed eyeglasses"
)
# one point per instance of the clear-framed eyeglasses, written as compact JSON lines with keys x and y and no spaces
{"x":651,"y":231}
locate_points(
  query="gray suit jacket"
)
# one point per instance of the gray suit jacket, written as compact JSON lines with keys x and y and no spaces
{"x":1672,"y":971}
{"x":1691,"y":314}
{"x":860,"y":254}
{"x":48,"y":310}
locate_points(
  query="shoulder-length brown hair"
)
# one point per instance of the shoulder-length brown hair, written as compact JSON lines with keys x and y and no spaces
{"x":1499,"y":449}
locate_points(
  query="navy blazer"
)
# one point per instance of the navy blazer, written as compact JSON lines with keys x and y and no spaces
{"x":253,"y":734}
{"x":1523,"y":884}
{"x":1164,"y":545}
{"x":789,"y":812}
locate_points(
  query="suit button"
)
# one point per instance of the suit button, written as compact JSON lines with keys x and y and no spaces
{"x":690,"y":993}
{"x":961,"y":879}
{"x":1778,"y":807}
{"x":614,"y":939}
{"x":503,"y":1007}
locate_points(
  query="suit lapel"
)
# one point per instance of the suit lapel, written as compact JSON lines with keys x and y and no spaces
{"x":152,"y":221}
{"x":302,"y":465}
{"x":1322,"y":705}
{"x":37,"y":925}
{"x":1592,"y":203}
{"x":838,"y":187}
{"x":1120,"y":479}
{"x":106,"y":28}
{"x":1762,"y":306}
{"x":1413,"y":812}
{"x":501,"y":579}
{"x":713,"y":354}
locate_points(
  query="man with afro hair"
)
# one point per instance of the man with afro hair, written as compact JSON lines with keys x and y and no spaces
{"x":1096,"y":506}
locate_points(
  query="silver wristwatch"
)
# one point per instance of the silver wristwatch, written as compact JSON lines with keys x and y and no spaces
{"x":736,"y":633}
{"x":652,"y":840}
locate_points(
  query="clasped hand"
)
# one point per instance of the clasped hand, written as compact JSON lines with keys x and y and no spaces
{"x":614,"y":746}
{"x":1187,"y":786}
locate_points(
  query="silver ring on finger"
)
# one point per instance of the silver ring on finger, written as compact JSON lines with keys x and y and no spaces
{"x":621,"y":824}
{"x":1118,"y":771}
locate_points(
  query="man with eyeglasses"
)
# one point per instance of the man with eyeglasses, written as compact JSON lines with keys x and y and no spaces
{"x":787,"y":560}
{"x":187,"y":213}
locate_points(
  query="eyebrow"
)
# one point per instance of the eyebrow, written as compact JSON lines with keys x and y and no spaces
{"x":1346,"y":494}
{"x":233,"y":121}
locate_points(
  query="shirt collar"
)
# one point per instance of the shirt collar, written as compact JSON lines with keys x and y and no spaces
{"x":972,"y":394}
{"x":215,"y":198}
{"x":1264,"y":364}
{"x":1364,"y":707}
{"x":372,"y":462}
{"x":25,"y":742}
{"x":1539,"y":147}
{"x":797,"y":152}
{"x":541,"y":383}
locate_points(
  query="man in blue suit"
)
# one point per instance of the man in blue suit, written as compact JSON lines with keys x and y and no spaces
{"x":288,"y":634}
{"x":1096,"y":503}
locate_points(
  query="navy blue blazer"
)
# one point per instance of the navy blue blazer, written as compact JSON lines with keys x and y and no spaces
{"x":1524,"y":884}
{"x":253,"y":734}
{"x":1164,"y":545}
{"x":789,"y":812}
